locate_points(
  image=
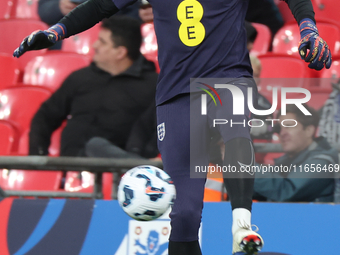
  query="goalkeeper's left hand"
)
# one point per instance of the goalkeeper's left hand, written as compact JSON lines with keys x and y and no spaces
{"x":319,"y":53}
{"x":41,"y":39}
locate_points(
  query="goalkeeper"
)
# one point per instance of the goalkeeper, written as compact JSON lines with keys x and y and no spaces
{"x":201,"y":39}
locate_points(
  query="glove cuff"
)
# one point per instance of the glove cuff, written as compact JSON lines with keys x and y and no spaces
{"x":307,"y":26}
{"x":59,"y":30}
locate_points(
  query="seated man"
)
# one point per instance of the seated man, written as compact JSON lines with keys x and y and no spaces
{"x":302,"y":151}
{"x":102,"y":100}
{"x":142,"y":142}
{"x":329,"y":126}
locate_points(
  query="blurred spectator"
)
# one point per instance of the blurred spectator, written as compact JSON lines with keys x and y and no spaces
{"x":302,"y":150}
{"x":329,"y":126}
{"x":51,"y":11}
{"x":142,"y":141}
{"x":102,"y":100}
{"x":265,"y":12}
{"x":145,"y":11}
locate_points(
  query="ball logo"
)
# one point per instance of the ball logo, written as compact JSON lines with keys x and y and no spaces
{"x":152,"y":190}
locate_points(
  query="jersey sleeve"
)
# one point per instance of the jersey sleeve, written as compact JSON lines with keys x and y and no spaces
{"x":87,"y":14}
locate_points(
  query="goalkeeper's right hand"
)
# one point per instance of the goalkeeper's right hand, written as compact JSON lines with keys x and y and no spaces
{"x":41,"y":39}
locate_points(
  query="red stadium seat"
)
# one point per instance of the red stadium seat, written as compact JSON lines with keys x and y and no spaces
{"x":282,"y":66}
{"x":19,"y":104}
{"x":6,"y":8}
{"x":8,"y":138}
{"x":279,"y":70}
{"x":107,"y":186}
{"x":9,"y":70}
{"x":263,"y":39}
{"x":327,"y":9}
{"x":27,"y":9}
{"x":287,"y":39}
{"x":82,"y":43}
{"x":50,"y":70}
{"x":79,"y":181}
{"x":84,"y":182}
{"x":149,"y":46}
{"x":19,"y":29}
{"x":30,"y":180}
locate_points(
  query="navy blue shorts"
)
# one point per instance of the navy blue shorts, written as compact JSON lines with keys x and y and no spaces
{"x":183,"y":140}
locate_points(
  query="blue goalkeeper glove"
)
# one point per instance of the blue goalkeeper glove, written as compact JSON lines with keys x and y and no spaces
{"x":41,"y":39}
{"x":319,"y":54}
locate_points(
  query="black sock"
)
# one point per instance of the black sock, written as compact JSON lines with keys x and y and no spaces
{"x":184,"y":248}
{"x":240,"y":186}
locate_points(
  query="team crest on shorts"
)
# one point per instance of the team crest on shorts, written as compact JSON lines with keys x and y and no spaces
{"x":161,"y":131}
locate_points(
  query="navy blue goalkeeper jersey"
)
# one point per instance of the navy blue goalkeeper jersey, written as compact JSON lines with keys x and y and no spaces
{"x":204,"y":38}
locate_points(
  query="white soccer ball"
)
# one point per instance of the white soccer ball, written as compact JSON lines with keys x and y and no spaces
{"x":146,"y":192}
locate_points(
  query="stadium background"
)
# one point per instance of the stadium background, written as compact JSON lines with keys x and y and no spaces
{"x":57,"y":226}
